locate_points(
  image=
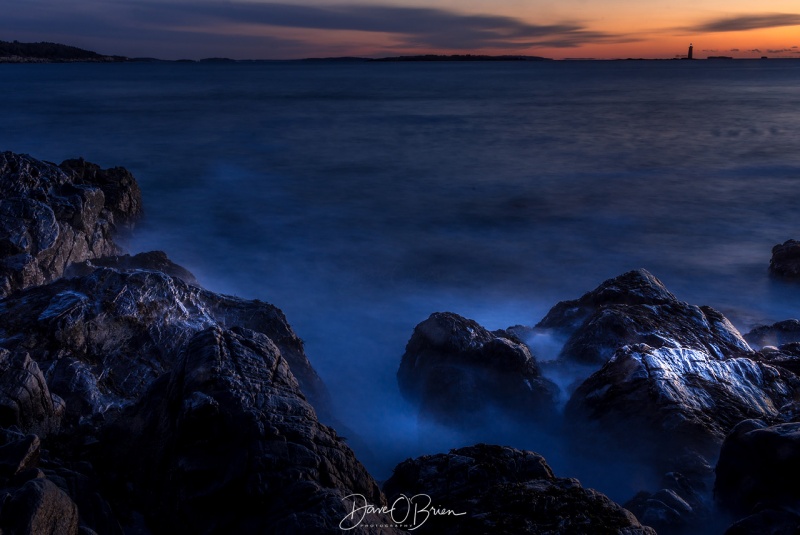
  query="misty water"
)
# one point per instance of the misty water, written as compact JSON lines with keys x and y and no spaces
{"x":361,"y":197}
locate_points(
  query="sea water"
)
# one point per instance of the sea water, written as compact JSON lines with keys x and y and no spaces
{"x":361,"y":197}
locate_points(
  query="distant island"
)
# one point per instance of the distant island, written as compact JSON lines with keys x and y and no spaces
{"x":16,"y":52}
{"x":463,"y":57}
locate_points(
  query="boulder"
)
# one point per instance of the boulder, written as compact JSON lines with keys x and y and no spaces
{"x":453,"y":369}
{"x":636,"y":308}
{"x":785,"y":261}
{"x":673,"y":399}
{"x":50,"y":218}
{"x":777,"y":334}
{"x":103,"y":338}
{"x":25,"y":399}
{"x":496,"y":489}
{"x":758,"y":468}
{"x":227,"y":443}
{"x":39,"y":507}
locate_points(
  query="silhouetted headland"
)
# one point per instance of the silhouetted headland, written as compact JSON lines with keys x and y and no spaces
{"x":16,"y":52}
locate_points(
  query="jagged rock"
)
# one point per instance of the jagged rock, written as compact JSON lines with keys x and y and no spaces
{"x":150,"y":261}
{"x":226,"y":443}
{"x":453,"y":369}
{"x":786,"y":356}
{"x":502,"y":490}
{"x":25,"y":400}
{"x":39,"y":507}
{"x":122,"y":194}
{"x":681,"y":502}
{"x":777,"y":334}
{"x":636,"y":308}
{"x":103,"y":338}
{"x":50,"y":219}
{"x":679,"y":399}
{"x":758,"y":467}
{"x":785,"y":261}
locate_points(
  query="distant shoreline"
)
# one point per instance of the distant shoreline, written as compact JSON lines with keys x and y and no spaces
{"x":44,"y":52}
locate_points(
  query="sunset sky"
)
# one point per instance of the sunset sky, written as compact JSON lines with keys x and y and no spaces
{"x":173,"y":29}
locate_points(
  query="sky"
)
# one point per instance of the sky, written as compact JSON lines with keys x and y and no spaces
{"x":560,"y":29}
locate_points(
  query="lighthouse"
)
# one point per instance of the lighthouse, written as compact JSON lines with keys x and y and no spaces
{"x":690,"y":51}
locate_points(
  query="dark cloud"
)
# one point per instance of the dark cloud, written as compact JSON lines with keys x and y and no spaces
{"x":413,"y":27}
{"x":748,"y":22}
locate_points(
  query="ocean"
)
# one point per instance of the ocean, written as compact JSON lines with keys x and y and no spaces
{"x":361,"y":197}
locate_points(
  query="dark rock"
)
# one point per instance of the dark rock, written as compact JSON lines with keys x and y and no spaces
{"x":25,"y":400}
{"x":39,"y":507}
{"x":226,"y":443}
{"x":680,"y":503}
{"x":759,"y":466}
{"x":453,"y":369}
{"x":50,"y":219}
{"x":637,"y":287}
{"x":776,"y":334}
{"x":122,"y":194}
{"x":636,"y":308}
{"x":785,"y":261}
{"x":105,"y":337}
{"x":150,"y":261}
{"x":673,"y":399}
{"x":19,"y":456}
{"x":503,"y":490}
{"x":769,"y":522}
{"x":786,"y":356}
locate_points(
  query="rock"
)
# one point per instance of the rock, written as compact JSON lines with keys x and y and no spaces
{"x":227,"y":443}
{"x":785,"y":261}
{"x":19,"y":455}
{"x":636,"y":308}
{"x":39,"y":507}
{"x":149,"y":261}
{"x":769,"y":522}
{"x":758,"y":467}
{"x":786,"y":356}
{"x":777,"y":334}
{"x":453,"y":369}
{"x":120,"y":189}
{"x":50,"y":219}
{"x":681,"y":503}
{"x":678,"y":399}
{"x":501,"y":490}
{"x":103,"y":338}
{"x":25,"y":400}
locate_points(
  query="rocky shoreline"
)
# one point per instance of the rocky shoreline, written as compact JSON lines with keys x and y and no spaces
{"x":134,"y":401}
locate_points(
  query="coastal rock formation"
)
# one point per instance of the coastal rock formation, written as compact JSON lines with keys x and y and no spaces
{"x":226,"y":443}
{"x":503,"y":490}
{"x":785,"y":261}
{"x":103,"y":338}
{"x":636,"y":308}
{"x":679,"y":398}
{"x":454,"y":369}
{"x":758,"y":469}
{"x":52,"y":217}
{"x":777,"y":334}
{"x":25,"y":400}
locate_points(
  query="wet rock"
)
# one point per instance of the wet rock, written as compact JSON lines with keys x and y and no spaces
{"x":149,"y":261}
{"x":636,"y":308}
{"x":678,"y":399}
{"x":758,"y":467}
{"x":502,"y":490}
{"x":50,"y":219}
{"x":227,"y":443}
{"x":103,"y":338}
{"x":777,"y":334}
{"x":25,"y":400}
{"x":453,"y":369}
{"x":785,"y":261}
{"x":786,"y":356}
{"x":123,"y":198}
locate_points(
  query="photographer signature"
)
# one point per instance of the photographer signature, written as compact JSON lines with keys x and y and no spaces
{"x":409,"y":513}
